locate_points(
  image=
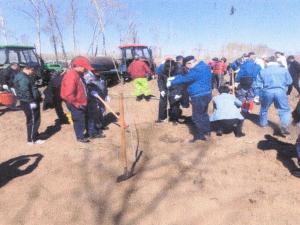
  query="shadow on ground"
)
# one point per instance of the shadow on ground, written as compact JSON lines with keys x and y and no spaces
{"x":285,"y":152}
{"x":19,"y":166}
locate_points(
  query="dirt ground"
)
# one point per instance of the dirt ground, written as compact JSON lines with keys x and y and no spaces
{"x":226,"y":181}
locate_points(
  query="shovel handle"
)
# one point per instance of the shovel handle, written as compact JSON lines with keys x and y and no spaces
{"x":107,"y":106}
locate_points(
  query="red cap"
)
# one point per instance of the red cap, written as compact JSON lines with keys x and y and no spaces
{"x":82,"y":61}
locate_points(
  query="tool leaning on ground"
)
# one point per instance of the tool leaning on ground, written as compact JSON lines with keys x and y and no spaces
{"x":121,"y":120}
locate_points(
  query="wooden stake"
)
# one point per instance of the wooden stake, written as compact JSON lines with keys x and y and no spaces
{"x":233,"y":83}
{"x":123,"y":138}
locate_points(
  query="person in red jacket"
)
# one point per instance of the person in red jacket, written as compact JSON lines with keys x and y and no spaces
{"x":219,"y":68}
{"x":73,"y":92}
{"x":138,"y":71}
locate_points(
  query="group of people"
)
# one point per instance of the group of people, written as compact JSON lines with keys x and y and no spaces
{"x":263,"y":81}
{"x":81,"y":88}
{"x":181,"y":82}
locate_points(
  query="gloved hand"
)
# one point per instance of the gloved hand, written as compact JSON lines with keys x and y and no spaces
{"x":107,"y":98}
{"x":33,"y":105}
{"x":256,"y":100}
{"x":169,"y":81}
{"x":177,"y":97}
{"x":13,"y":91}
{"x":162,"y":93}
{"x":94,"y":94}
{"x":82,"y":107}
{"x":5,"y":87}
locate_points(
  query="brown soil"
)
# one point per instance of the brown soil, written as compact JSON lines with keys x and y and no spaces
{"x":224,"y":181}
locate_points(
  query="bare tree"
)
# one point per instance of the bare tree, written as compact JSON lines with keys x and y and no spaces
{"x":36,"y":4}
{"x":73,"y":21}
{"x":50,"y":28}
{"x":3,"y":29}
{"x":54,"y":24}
{"x":104,"y":11}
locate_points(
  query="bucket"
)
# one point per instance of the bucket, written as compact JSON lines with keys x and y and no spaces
{"x":6,"y":98}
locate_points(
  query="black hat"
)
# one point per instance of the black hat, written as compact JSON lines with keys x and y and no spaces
{"x":188,"y":58}
{"x":291,"y":57}
{"x":251,"y":53}
{"x":179,"y":57}
{"x":271,"y":59}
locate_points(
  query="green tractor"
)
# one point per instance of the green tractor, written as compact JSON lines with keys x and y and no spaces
{"x":24,"y":55}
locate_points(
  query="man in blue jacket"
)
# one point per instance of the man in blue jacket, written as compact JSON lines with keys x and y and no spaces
{"x":198,"y":80}
{"x":246,"y":77}
{"x":273,"y":82}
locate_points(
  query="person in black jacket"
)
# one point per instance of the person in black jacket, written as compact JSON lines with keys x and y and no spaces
{"x":30,"y":98}
{"x":294,"y":69}
{"x":171,"y":95}
{"x":7,"y":76}
{"x":52,"y":97}
{"x":96,"y":87}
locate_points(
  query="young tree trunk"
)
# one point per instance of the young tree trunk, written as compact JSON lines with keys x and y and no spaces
{"x":74,"y":17}
{"x":59,"y":32}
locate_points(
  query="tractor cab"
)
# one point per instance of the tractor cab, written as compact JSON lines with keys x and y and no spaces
{"x":22,"y":55}
{"x":128,"y":52}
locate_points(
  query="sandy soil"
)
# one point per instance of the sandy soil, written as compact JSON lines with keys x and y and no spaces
{"x":224,"y":181}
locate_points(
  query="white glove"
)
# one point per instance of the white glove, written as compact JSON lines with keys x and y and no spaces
{"x":236,"y":85}
{"x":169,"y":81}
{"x":162,"y":93}
{"x":33,"y":105}
{"x":256,"y":99}
{"x":94,"y":94}
{"x":13,"y":91}
{"x":177,"y":97}
{"x":107,"y":99}
{"x":5,"y":87}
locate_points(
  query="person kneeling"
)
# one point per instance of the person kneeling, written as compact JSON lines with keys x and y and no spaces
{"x":227,"y":116}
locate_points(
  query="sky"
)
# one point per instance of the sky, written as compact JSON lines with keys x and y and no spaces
{"x":178,"y":26}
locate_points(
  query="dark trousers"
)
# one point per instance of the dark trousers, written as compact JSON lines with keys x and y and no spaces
{"x":174,"y":110}
{"x":79,"y":118}
{"x":217,"y":80}
{"x":295,"y":84}
{"x":228,"y":126}
{"x":95,"y":118}
{"x":200,"y":116}
{"x":185,"y":99}
{"x":33,"y":120}
{"x":59,"y":110}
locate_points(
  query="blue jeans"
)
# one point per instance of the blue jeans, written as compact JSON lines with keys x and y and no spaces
{"x":199,"y":114}
{"x":280,"y":100}
{"x":78,"y":117}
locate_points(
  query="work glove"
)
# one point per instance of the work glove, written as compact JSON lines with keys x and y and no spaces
{"x":33,"y":105}
{"x":162,"y":93}
{"x":107,"y":98}
{"x":256,"y":100}
{"x":95,"y":94}
{"x":5,"y":87}
{"x":177,"y":97}
{"x":169,"y":81}
{"x":82,"y":107}
{"x":13,"y":91}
